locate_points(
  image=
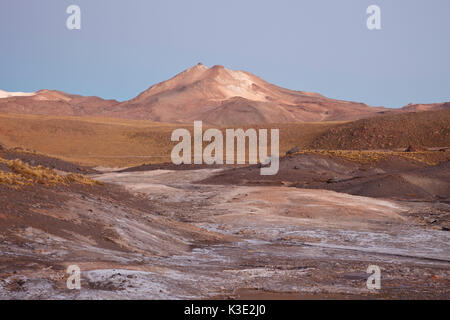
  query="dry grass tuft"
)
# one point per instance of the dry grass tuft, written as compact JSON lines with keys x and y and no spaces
{"x":12,"y":179}
{"x":24,"y":174}
{"x":370,"y":157}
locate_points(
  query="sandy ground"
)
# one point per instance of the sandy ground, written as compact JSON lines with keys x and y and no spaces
{"x":228,"y":241}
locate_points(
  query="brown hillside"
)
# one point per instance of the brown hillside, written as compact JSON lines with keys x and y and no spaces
{"x":119,"y":142}
{"x":426,"y":107}
{"x":422,"y":129}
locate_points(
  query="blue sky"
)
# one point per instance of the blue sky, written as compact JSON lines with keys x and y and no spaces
{"x":318,"y":45}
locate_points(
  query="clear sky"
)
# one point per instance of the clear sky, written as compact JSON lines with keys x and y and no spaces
{"x":324,"y":46}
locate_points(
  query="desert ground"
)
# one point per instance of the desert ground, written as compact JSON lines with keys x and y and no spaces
{"x":167,"y":232}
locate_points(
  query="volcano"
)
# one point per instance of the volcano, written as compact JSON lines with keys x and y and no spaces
{"x":221,"y":96}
